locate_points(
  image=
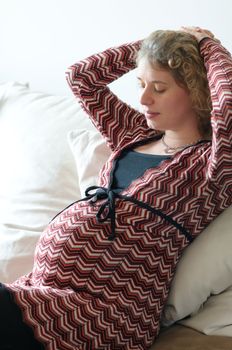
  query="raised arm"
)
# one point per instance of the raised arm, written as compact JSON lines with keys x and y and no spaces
{"x":88,"y":80}
{"x":218,"y":63}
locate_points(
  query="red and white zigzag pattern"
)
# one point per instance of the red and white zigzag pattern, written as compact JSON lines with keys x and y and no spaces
{"x":86,"y":292}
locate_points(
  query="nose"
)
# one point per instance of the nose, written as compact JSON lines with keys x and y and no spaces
{"x":146,"y":97}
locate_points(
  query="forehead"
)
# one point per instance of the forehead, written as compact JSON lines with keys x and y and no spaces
{"x":151,"y":72}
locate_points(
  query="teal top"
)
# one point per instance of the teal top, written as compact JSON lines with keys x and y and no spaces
{"x":131,"y":165}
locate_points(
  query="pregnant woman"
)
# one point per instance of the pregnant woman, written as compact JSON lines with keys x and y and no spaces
{"x":104,"y":265}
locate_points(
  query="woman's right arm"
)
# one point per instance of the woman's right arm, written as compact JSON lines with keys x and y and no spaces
{"x":88,"y":79}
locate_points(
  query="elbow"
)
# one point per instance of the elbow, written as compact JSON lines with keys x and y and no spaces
{"x":69,"y":73}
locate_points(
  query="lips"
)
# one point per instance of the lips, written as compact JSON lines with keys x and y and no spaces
{"x":151,"y":115}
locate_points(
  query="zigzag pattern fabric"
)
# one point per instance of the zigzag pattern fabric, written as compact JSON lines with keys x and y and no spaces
{"x":89,"y":293}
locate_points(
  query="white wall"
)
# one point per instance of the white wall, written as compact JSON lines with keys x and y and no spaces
{"x":40,"y":38}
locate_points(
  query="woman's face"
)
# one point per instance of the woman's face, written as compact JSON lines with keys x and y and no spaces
{"x":166,"y":105}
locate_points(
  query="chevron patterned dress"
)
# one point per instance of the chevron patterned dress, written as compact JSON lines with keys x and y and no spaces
{"x":104,"y":265}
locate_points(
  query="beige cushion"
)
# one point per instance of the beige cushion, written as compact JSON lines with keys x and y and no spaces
{"x":215,"y":316}
{"x":205,"y":269}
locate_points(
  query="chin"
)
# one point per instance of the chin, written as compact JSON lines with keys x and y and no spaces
{"x":153,"y":125}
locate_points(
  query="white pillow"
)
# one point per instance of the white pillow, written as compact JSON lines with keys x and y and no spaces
{"x":38,"y":172}
{"x":205,"y":269}
{"x":91,"y":153}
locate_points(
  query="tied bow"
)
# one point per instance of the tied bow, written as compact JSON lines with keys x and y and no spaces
{"x":103,"y":215}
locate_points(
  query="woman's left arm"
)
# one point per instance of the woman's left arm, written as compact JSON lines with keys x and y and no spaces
{"x":218,"y":63}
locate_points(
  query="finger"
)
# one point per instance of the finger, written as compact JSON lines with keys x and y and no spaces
{"x":191,"y":29}
{"x":197,"y":30}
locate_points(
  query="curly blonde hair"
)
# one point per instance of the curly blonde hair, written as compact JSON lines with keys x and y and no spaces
{"x":178,"y":52}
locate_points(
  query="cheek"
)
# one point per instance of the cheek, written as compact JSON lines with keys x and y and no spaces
{"x":179,"y":102}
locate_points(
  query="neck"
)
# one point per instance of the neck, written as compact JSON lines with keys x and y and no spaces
{"x":175,"y":141}
{"x":180,"y":138}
